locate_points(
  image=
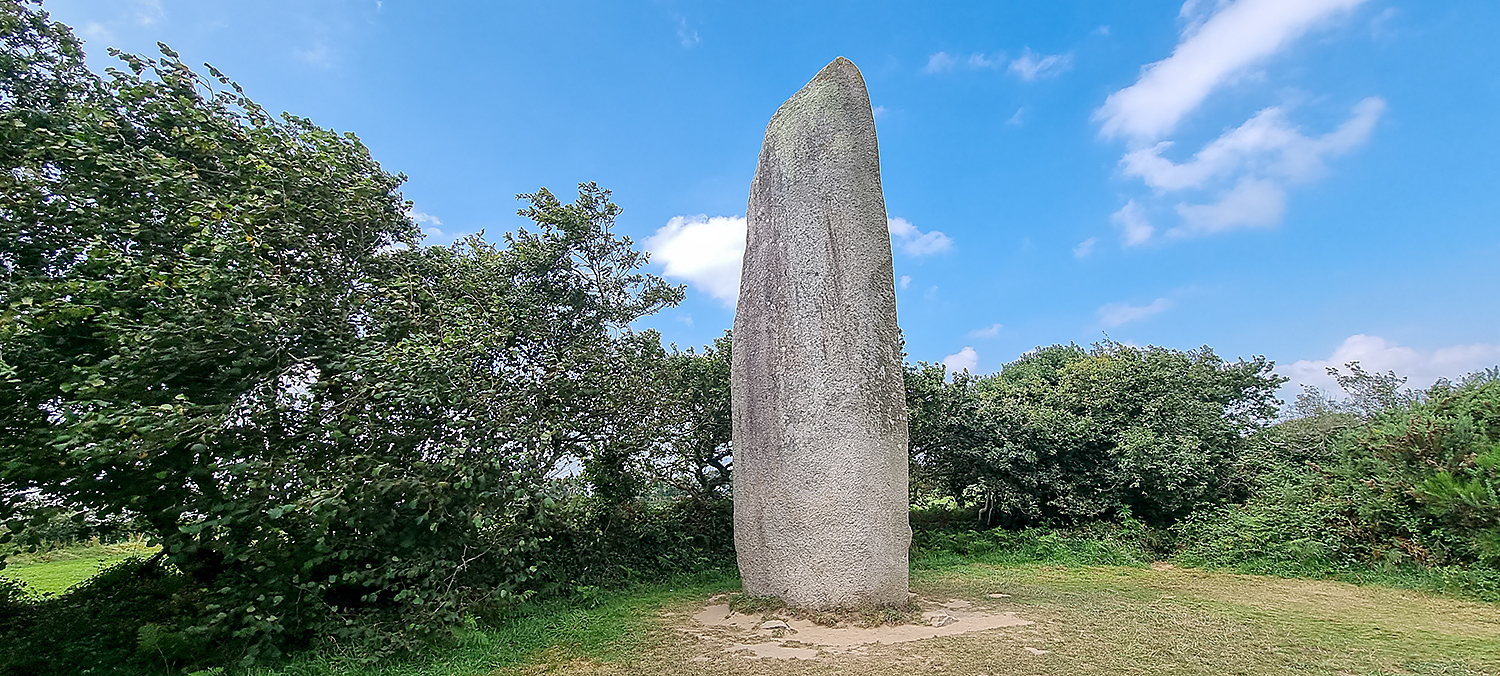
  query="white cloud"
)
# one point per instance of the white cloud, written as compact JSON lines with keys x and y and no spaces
{"x":1017,"y":119}
{"x":987,"y":332}
{"x":1134,"y":227}
{"x":1253,"y":203}
{"x":1116,"y":314}
{"x":905,"y":282}
{"x":427,"y":218}
{"x":963,"y":360}
{"x":1213,"y":51}
{"x":686,"y":34}
{"x":1085,"y":248}
{"x":707,"y":252}
{"x":1030,"y":66}
{"x":1378,"y":355}
{"x":940,"y":62}
{"x":94,"y":31}
{"x":148,"y":12}
{"x":1267,"y":144}
{"x":981,"y":61}
{"x":318,"y":54}
{"x":913,"y":242}
{"x":943,"y":61}
{"x":878,"y":111}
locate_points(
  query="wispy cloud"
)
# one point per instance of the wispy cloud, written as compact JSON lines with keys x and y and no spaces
{"x":686,"y":34}
{"x":1267,"y":144}
{"x":707,"y":252}
{"x":1018,"y":118}
{"x":1251,"y":203}
{"x":940,"y":62}
{"x":904,"y":282}
{"x":913,"y":242}
{"x":1116,"y":314}
{"x":1240,"y":179}
{"x":1031,"y":66}
{"x":1085,"y":248}
{"x":1135,"y":228}
{"x":987,"y":332}
{"x":943,"y":62}
{"x":148,"y":12}
{"x":317,"y":54}
{"x":94,"y":31}
{"x":1215,"y":49}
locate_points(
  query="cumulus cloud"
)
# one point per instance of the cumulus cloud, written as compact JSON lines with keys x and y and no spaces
{"x":963,"y":360}
{"x":1031,"y":66}
{"x":913,"y":242}
{"x":707,"y":252}
{"x":987,"y":332}
{"x":1267,"y":144}
{"x":1215,"y":50}
{"x":1134,"y":227}
{"x":1378,"y":355}
{"x":1116,"y":314}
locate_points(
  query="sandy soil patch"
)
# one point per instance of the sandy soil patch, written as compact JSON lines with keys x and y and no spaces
{"x":776,"y":637}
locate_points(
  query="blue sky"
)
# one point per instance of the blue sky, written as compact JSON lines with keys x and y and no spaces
{"x":1313,"y":180}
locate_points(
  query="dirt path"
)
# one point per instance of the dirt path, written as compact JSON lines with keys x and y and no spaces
{"x":1052,"y":620}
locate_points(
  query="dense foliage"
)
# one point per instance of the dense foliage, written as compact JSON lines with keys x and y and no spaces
{"x":221,"y":324}
{"x":1387,"y":477}
{"x":1065,"y":435}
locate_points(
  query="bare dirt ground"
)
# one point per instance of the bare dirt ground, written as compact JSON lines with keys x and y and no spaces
{"x":993,"y":621}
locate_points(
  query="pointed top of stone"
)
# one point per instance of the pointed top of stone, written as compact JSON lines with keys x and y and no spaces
{"x":835,"y":95}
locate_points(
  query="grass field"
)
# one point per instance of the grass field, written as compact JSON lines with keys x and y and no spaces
{"x":52,"y":572}
{"x":1086,"y":620}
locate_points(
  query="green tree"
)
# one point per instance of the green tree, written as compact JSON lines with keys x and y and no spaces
{"x":1064,"y":435}
{"x":222,"y":322}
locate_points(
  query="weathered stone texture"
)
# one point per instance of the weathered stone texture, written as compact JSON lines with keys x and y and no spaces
{"x":820,"y":429}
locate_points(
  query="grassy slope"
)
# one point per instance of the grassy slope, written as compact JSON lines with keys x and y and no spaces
{"x":54,"y":571}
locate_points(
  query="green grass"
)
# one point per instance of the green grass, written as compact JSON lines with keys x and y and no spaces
{"x":1099,"y":606}
{"x":54,"y":571}
{"x":602,"y":628}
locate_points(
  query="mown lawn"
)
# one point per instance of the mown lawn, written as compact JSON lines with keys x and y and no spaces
{"x":54,"y":571}
{"x":1123,"y":618}
{"x":1087,"y":619}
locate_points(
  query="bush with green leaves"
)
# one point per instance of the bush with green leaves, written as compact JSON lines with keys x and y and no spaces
{"x":1065,"y":435}
{"x":1386,"y":477}
{"x":221,"y":322}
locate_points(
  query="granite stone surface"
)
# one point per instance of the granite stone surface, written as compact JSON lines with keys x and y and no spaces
{"x":820,"y":428}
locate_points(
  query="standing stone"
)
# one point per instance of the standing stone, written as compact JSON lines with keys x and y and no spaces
{"x":820,"y":460}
